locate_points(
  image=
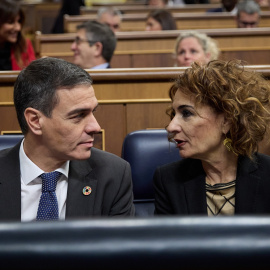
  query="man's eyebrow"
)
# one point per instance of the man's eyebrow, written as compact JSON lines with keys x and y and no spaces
{"x":79,"y":110}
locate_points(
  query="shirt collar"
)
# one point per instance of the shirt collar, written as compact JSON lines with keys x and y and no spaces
{"x":102,"y":66}
{"x":30,"y":171}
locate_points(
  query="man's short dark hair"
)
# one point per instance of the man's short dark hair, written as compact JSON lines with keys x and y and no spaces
{"x":36,"y":85}
{"x":98,"y":32}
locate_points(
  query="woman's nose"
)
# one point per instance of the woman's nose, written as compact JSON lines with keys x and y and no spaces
{"x":174,"y":127}
{"x":17,"y":26}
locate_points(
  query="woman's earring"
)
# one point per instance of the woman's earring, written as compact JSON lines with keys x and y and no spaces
{"x":228,"y":143}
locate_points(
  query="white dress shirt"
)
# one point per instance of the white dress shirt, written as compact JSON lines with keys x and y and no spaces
{"x":101,"y":66}
{"x":31,"y":187}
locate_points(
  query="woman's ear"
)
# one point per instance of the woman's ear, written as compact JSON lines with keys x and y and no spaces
{"x":226,"y":125}
{"x":207,"y":57}
{"x":32,"y":117}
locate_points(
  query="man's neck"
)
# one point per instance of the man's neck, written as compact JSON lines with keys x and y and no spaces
{"x":39,"y":155}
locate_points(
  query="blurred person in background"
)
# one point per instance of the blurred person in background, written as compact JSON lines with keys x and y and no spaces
{"x":229,"y":6}
{"x":16,"y":52}
{"x":110,"y":16}
{"x":193,"y":46}
{"x":157,"y":3}
{"x":248,"y":14}
{"x":70,"y":7}
{"x":94,"y":45}
{"x":160,"y":19}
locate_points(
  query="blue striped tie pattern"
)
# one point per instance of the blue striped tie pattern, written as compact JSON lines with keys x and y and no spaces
{"x":48,"y":206}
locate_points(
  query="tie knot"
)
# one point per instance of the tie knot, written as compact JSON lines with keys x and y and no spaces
{"x":49,"y":181}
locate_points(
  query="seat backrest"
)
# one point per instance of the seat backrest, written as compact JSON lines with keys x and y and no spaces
{"x":7,"y":141}
{"x":145,"y":150}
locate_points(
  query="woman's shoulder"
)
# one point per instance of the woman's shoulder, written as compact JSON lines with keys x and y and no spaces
{"x":181,"y":165}
{"x":263,"y":159}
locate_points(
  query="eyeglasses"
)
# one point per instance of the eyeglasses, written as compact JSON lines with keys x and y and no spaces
{"x":79,"y":40}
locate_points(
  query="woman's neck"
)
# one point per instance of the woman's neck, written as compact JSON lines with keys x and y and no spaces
{"x":221,"y":171}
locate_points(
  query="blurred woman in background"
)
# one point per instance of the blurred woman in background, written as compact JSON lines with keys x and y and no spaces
{"x":194,"y":46}
{"x":160,"y":19}
{"x":16,"y":52}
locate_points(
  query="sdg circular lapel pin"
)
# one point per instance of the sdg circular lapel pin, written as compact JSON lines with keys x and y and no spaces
{"x":87,"y":190}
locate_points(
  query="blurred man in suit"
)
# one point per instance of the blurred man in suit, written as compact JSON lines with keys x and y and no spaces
{"x":229,"y":6}
{"x":69,"y":7}
{"x":94,"y":45}
{"x":248,"y":14}
{"x":110,"y":16}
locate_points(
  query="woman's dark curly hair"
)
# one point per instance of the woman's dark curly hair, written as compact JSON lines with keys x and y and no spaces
{"x":229,"y":87}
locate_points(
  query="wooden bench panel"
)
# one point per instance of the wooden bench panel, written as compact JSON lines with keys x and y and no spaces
{"x":184,"y":21}
{"x":143,"y":9}
{"x":155,"y":49}
{"x":129,"y":99}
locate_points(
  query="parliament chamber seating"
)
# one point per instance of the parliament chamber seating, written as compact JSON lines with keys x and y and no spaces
{"x":7,"y":141}
{"x":145,"y":150}
{"x":155,"y":49}
{"x":140,"y":8}
{"x":184,"y":21}
{"x":129,"y":100}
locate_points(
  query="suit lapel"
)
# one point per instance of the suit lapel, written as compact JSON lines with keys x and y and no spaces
{"x":80,"y":204}
{"x":247,"y":186}
{"x":10,"y":185}
{"x":195,"y":189}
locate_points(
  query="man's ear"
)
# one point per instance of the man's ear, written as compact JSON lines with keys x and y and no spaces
{"x":98,"y":48}
{"x":32,"y":117}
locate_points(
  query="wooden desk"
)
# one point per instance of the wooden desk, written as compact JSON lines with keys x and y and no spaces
{"x":129,"y":99}
{"x":155,"y":49}
{"x":184,"y":21}
{"x":144,"y":9}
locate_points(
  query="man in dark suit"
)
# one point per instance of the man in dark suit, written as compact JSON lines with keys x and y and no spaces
{"x":229,"y":6}
{"x":55,"y":104}
{"x":94,"y":45}
{"x":69,"y":7}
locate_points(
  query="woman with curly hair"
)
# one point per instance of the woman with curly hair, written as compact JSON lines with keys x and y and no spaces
{"x":16,"y":52}
{"x":219,"y":115}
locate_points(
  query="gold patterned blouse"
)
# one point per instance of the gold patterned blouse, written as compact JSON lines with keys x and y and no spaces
{"x":220,"y":199}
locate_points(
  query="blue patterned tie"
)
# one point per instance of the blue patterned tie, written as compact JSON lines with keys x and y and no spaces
{"x":48,"y":206}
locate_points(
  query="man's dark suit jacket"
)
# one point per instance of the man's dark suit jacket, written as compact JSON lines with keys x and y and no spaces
{"x":108,"y":175}
{"x":180,"y":187}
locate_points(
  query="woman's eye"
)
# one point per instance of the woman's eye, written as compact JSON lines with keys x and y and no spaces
{"x":186,"y":113}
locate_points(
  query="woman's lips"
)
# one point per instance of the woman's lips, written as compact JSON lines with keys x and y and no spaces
{"x":179,"y":143}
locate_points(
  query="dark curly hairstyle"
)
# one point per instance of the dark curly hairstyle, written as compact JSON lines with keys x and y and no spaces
{"x":243,"y":95}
